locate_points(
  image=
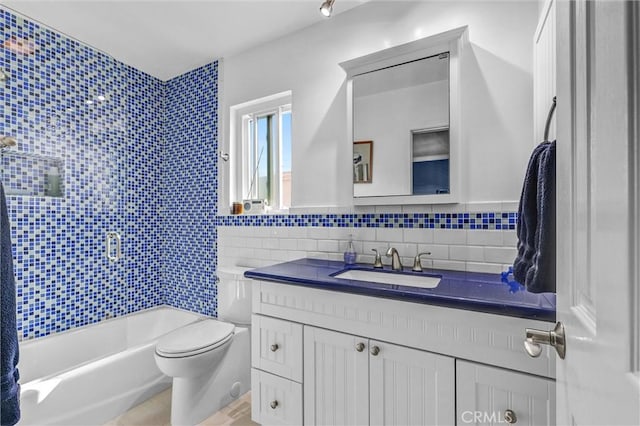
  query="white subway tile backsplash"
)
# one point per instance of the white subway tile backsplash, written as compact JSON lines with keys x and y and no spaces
{"x":367,"y":247}
{"x":406,"y":249}
{"x":509,"y":239}
{"x":318,"y":233}
{"x":318,"y":255}
{"x":255,"y":254}
{"x":474,"y":250}
{"x":450,"y":264}
{"x":271,"y":243}
{"x":253,"y":242}
{"x":449,"y":236}
{"x":417,"y":235}
{"x":466,"y":253}
{"x":295,"y":254}
{"x":288,"y":244}
{"x":328,"y":246}
{"x":489,"y":268}
{"x":307,"y":244}
{"x":297,"y":232}
{"x":500,"y":254}
{"x":437,"y":251}
{"x":391,"y":235}
{"x":485,"y":238}
{"x":340,"y":233}
{"x":364,"y":234}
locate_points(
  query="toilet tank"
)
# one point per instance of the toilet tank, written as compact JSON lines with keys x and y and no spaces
{"x":234,"y":295}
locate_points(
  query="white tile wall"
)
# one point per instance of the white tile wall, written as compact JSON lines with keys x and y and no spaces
{"x":464,"y":250}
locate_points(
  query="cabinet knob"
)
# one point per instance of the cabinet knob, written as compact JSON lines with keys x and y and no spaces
{"x":274,"y":347}
{"x":360,"y":347}
{"x":510,"y":416}
{"x":375,"y":350}
{"x":273,"y":404}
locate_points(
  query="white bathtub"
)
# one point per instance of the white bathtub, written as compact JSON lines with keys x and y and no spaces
{"x":91,"y":374}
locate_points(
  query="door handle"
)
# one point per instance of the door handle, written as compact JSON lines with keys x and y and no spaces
{"x":535,"y":338}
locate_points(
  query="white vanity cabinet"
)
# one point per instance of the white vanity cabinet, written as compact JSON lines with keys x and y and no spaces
{"x":489,"y":395}
{"x":350,"y":380}
{"x":348,"y":359}
{"x":336,"y":378}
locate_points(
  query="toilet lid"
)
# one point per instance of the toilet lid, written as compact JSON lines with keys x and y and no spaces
{"x":194,"y":337}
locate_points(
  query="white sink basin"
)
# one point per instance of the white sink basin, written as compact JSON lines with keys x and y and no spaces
{"x":421,"y":281}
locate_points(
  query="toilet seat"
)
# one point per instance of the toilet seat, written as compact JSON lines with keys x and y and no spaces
{"x":195,"y":338}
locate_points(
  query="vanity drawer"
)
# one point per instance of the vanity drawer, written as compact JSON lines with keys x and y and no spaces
{"x":275,"y":400}
{"x":276,"y":346}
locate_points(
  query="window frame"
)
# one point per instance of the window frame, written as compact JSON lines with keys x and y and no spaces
{"x":240,"y":168}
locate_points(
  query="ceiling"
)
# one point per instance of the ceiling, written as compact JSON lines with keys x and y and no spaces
{"x":168,"y":38}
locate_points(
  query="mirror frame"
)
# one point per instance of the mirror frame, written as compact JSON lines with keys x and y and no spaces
{"x":452,"y":41}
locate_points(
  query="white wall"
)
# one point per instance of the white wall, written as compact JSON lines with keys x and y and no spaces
{"x":496,"y":90}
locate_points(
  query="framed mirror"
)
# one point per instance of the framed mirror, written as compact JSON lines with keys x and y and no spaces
{"x":404,"y":101}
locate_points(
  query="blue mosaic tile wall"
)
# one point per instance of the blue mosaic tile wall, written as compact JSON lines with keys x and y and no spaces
{"x":475,"y":221}
{"x":111,"y":150}
{"x":189,"y":190}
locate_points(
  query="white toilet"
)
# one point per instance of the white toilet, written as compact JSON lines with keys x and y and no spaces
{"x":210,"y":360}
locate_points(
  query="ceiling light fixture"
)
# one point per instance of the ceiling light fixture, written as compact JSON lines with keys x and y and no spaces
{"x":327,"y":8}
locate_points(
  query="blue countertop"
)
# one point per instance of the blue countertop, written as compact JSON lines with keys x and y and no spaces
{"x":473,"y":291}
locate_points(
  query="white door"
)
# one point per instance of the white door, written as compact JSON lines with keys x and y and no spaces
{"x":598,"y":228}
{"x":489,"y":395}
{"x":410,"y":387}
{"x":336,"y":378}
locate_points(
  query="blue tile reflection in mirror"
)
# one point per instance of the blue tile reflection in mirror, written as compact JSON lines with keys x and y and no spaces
{"x":430,"y":167}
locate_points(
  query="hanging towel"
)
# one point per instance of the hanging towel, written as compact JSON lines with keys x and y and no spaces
{"x":535,"y":264}
{"x":9,"y":387}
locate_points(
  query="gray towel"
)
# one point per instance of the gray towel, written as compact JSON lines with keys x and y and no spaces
{"x":9,"y":387}
{"x":535,"y":264}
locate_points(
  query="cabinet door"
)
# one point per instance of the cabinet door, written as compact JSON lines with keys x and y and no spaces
{"x":490,"y":395}
{"x":276,"y":346}
{"x":410,"y":387}
{"x":336,"y":378}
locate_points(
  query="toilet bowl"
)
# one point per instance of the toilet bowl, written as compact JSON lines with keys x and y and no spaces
{"x":210,"y":360}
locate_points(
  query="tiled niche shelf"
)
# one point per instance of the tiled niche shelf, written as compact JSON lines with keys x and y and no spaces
{"x":28,"y":174}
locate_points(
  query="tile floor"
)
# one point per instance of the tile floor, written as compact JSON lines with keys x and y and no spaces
{"x":157,"y":412}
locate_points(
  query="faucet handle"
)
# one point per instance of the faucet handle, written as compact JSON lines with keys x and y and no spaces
{"x":378,"y":262}
{"x":417,"y":265}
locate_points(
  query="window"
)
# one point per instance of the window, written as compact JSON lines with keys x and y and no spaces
{"x":263,"y":142}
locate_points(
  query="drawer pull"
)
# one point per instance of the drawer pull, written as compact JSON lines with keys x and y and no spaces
{"x":360,"y":347}
{"x":274,"y":347}
{"x":375,"y":351}
{"x":510,"y":417}
{"x":274,"y":404}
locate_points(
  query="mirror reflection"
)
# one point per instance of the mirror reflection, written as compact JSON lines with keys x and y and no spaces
{"x":403,"y":112}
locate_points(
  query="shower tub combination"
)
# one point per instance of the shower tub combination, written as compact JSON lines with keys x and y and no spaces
{"x":89,"y":375}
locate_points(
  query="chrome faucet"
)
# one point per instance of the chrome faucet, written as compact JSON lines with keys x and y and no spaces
{"x":396,"y":265}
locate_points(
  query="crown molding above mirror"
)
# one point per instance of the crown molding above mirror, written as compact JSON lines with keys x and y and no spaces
{"x":397,"y":171}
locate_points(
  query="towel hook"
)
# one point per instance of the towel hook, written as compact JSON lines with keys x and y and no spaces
{"x":549,"y":117}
